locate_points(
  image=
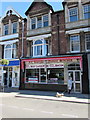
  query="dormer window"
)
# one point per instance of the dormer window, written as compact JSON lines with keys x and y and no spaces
{"x":6,"y":28}
{"x":73,"y":14}
{"x":14,"y":27}
{"x":39,"y":21}
{"x":86,"y":11}
{"x":33,"y":23}
{"x":45,"y":20}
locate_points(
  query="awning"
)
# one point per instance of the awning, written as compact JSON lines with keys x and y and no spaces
{"x":62,"y":59}
{"x":8,"y":42}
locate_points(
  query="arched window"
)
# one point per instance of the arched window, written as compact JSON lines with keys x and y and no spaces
{"x":10,"y":51}
{"x":40,"y":47}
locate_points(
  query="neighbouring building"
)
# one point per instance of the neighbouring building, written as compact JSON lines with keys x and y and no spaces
{"x":9,"y":48}
{"x":77,"y":30}
{"x":48,"y":63}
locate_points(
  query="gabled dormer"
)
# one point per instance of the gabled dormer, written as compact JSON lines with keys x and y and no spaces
{"x":10,"y":22}
{"x":38,"y":15}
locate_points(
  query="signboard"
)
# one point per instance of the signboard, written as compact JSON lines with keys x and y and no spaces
{"x":56,"y":65}
{"x":33,"y":80}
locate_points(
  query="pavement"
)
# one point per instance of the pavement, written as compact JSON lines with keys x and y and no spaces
{"x":50,"y":95}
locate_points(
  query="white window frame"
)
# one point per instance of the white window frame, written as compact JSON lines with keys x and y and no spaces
{"x":10,"y":49}
{"x":37,"y":21}
{"x":16,"y":28}
{"x":71,"y":43}
{"x":86,"y":42}
{"x":46,"y":20}
{"x":32,"y":24}
{"x":73,"y":15}
{"x":5,"y":30}
{"x":43,"y":47}
{"x":85,"y":12}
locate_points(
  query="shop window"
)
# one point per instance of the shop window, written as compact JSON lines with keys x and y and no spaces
{"x":32,"y":75}
{"x":6,"y":29}
{"x":55,"y":75}
{"x":10,"y":51}
{"x":40,"y":48}
{"x":42,"y":75}
{"x":73,"y":14}
{"x":86,"y":11}
{"x":87,"y":40}
{"x":14,"y":27}
{"x":74,"y":43}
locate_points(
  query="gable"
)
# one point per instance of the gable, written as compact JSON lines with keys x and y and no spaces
{"x":38,"y":7}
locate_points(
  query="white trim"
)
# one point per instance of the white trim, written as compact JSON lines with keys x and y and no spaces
{"x":77,"y":30}
{"x":10,"y":36}
{"x":39,"y":37}
{"x":8,"y":42}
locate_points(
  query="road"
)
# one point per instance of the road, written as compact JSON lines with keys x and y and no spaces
{"x":14,"y":107}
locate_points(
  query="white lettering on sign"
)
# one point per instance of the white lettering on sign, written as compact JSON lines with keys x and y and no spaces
{"x":43,"y":66}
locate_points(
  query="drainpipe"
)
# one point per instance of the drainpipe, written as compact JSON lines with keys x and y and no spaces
{"x":22,"y":38}
{"x":58,"y":34}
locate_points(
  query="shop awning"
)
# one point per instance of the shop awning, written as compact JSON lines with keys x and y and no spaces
{"x":61,"y":59}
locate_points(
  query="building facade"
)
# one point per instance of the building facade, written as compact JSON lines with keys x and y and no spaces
{"x":77,"y":27}
{"x":47,"y":47}
{"x":48,"y":63}
{"x":9,"y":48}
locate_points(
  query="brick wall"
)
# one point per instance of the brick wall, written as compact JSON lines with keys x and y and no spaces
{"x":58,"y":33}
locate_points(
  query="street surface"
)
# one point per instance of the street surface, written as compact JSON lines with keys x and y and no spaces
{"x":15,"y":107}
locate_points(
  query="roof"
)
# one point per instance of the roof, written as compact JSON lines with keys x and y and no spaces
{"x":38,"y":1}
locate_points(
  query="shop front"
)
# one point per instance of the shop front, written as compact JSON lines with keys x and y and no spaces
{"x":10,"y":74}
{"x":51,"y":73}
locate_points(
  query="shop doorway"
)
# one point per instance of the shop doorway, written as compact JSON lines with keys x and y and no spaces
{"x":76,"y":79}
{"x":7,"y":77}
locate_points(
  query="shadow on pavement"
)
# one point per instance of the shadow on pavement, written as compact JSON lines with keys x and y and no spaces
{"x":45,"y":93}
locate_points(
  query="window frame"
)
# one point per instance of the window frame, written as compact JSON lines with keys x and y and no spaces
{"x":86,"y":42}
{"x":46,"y":20}
{"x":11,"y":54}
{"x":13,"y":27}
{"x":36,"y":23}
{"x":6,"y":30}
{"x":85,"y":12}
{"x":33,"y":24}
{"x":44,"y":45}
{"x":71,"y":45}
{"x":73,"y":15}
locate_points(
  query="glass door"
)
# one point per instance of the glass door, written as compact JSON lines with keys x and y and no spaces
{"x":76,"y":80}
{"x":43,"y":75}
{"x":10,"y":76}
